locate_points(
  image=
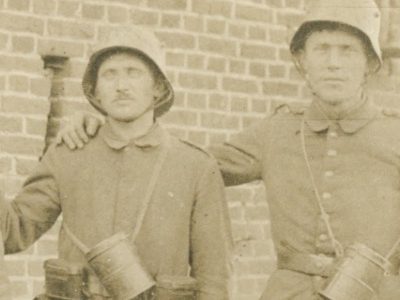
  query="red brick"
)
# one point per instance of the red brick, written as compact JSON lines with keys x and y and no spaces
{"x":257,"y":33}
{"x":197,"y":100}
{"x":213,"y":7}
{"x":219,"y":120}
{"x":239,"y":104}
{"x":168,"y":4}
{"x":35,"y":268}
{"x":239,"y":85}
{"x":216,"y":64}
{"x":175,"y":59}
{"x":45,"y":7}
{"x":276,"y":3}
{"x":278,"y":35}
{"x":16,"y":268}
{"x":181,"y":117}
{"x":255,"y":51}
{"x":195,"y":61}
{"x":68,"y":8}
{"x":277,"y":71}
{"x":5,"y":162}
{"x":237,"y":31}
{"x":19,"y":289}
{"x":3,"y":40}
{"x":22,"y":5}
{"x":60,"y":48}
{"x":23,"y":44}
{"x":170,"y":20}
{"x":14,"y":104}
{"x":258,"y":106}
{"x":253,"y":13}
{"x":36,"y":127}
{"x":25,"y":64}
{"x":40,"y":87}
{"x":24,"y":167}
{"x":262,"y":248}
{"x":18,"y":83}
{"x":290,"y":18}
{"x":38,"y":287}
{"x":144,"y":17}
{"x":13,"y":22}
{"x":294,"y":3}
{"x":217,"y":45}
{"x":117,"y":14}
{"x":218,"y":102}
{"x":21,"y":145}
{"x":257,"y":69}
{"x":91,"y":11}
{"x":177,"y":40}
{"x":194,"y":23}
{"x":256,"y":214}
{"x":280,"y":88}
{"x":216,"y":26}
{"x":197,"y":81}
{"x":70,"y":29}
{"x":245,"y":285}
{"x":237,"y":66}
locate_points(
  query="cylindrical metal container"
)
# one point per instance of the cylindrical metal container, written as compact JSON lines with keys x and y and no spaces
{"x":359,"y":275}
{"x":63,"y":280}
{"x":175,"y":288}
{"x":119,"y":268}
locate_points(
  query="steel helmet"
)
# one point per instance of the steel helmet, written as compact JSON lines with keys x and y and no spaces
{"x":139,"y":40}
{"x":362,"y":15}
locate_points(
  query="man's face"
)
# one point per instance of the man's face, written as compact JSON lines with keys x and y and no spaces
{"x":335,"y":65}
{"x":125,"y":87}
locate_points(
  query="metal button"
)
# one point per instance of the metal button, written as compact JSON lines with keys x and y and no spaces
{"x":332,"y":152}
{"x":326,"y":195}
{"x":323,"y":237}
{"x":329,"y":173}
{"x":333,"y":134}
{"x":319,"y":264}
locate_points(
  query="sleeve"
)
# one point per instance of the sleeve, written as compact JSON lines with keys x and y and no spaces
{"x":34,"y":210}
{"x":211,"y":239}
{"x":240,"y":159}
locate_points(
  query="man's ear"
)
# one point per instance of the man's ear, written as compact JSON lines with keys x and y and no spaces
{"x":159,"y":90}
{"x":298,"y":60}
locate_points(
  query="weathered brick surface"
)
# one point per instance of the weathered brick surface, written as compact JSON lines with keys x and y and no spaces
{"x":228,"y":60}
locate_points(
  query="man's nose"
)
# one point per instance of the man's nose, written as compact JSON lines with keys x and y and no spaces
{"x":122,"y":83}
{"x":334,"y":59}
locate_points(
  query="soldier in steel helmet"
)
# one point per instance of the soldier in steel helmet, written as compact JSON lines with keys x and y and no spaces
{"x":331,"y":169}
{"x":134,"y":191}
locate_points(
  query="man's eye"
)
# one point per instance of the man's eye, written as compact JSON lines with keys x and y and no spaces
{"x":109,"y":74}
{"x":134,"y":72}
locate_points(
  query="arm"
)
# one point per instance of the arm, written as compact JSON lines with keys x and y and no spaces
{"x":240,"y":159}
{"x":34,"y":210}
{"x":211,"y":241}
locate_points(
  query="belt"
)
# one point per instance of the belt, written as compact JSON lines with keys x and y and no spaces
{"x":311,"y":264}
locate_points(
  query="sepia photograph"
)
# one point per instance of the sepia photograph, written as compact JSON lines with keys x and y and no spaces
{"x":199,"y":149}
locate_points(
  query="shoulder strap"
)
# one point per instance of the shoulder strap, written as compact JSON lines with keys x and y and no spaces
{"x":145,"y":204}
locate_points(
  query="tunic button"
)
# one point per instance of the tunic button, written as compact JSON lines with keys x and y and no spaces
{"x":333,"y":134}
{"x":326,"y":196}
{"x":319,"y":264}
{"x":329,"y":173}
{"x":323,"y":237}
{"x":332,"y":152}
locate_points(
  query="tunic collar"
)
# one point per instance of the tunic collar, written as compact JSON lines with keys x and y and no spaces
{"x":152,"y":138}
{"x":351,"y":123}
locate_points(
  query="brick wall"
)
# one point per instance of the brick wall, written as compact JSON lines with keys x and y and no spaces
{"x":229,"y":63}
